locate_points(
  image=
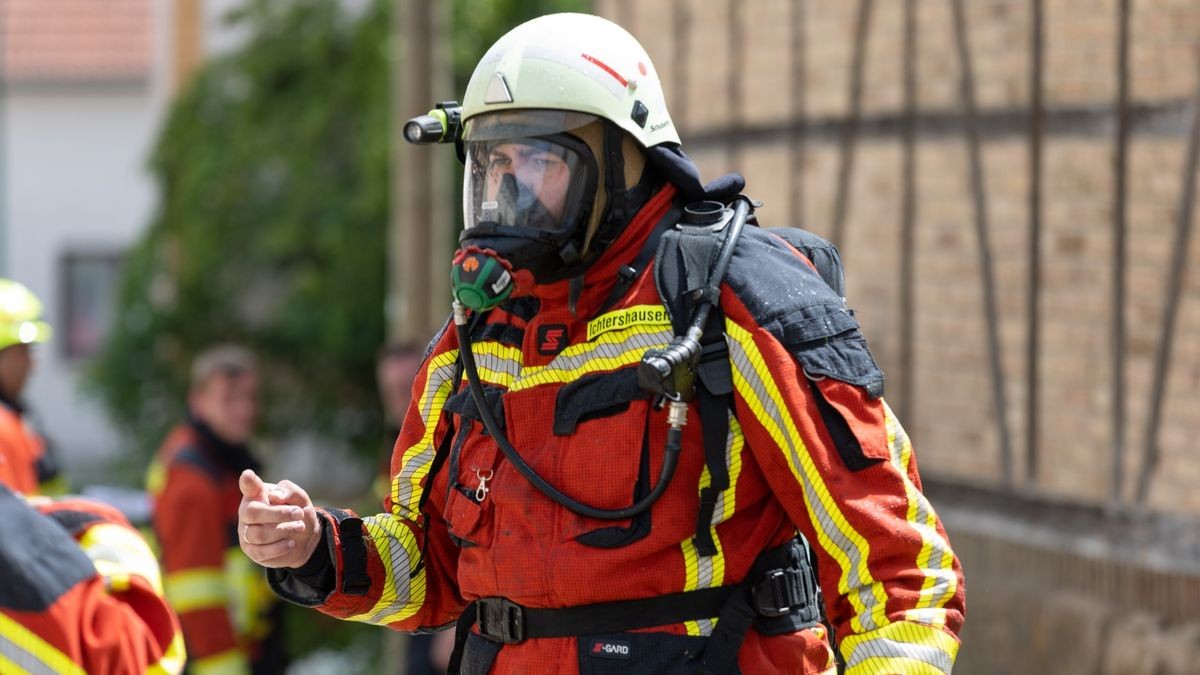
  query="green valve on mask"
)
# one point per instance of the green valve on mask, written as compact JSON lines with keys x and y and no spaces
{"x":479,"y":281}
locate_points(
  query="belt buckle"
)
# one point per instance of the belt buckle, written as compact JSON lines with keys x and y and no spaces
{"x":500,"y":620}
{"x":776,"y":595}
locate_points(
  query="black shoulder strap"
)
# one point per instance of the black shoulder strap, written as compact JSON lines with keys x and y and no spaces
{"x":628,"y":274}
{"x":684,"y":275}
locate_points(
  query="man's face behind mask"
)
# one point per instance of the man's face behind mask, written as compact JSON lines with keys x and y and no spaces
{"x":539,"y":184}
{"x":527,"y":184}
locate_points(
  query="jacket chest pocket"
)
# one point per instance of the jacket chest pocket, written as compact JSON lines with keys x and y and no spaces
{"x":472,"y":466}
{"x":601,"y":422}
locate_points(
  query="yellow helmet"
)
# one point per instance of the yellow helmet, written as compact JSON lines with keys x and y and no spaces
{"x":20,"y":316}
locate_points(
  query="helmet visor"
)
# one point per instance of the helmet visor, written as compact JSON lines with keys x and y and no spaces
{"x":523,"y":171}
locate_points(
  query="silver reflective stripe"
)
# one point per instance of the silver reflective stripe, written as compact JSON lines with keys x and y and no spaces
{"x":825,"y":522}
{"x":890,"y":649}
{"x":383,"y":528}
{"x":944,"y":579}
{"x":23,"y":658}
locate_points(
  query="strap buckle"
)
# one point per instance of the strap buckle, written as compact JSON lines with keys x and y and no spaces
{"x":500,"y":620}
{"x":780,"y":593}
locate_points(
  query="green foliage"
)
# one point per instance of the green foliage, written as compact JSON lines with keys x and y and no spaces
{"x":273,"y":172}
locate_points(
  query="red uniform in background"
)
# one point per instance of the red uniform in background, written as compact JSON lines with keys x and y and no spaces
{"x":229,"y":615}
{"x":21,"y":449}
{"x":81,"y":593}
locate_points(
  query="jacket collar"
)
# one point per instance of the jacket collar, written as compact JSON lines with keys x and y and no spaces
{"x":233,"y":456}
{"x":599,"y":279}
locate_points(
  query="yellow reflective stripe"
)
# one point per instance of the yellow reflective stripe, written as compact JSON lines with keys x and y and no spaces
{"x":7,"y":666}
{"x":613,"y":350}
{"x":402,"y":594}
{"x":156,"y":478}
{"x":120,"y":553}
{"x":734,"y":445}
{"x":27,"y":652}
{"x":229,"y":662}
{"x":249,"y":596}
{"x":498,"y":364}
{"x":755,"y":384}
{"x":194,"y":589}
{"x":173,"y":660}
{"x":936,"y":559}
{"x":900,"y":647}
{"x":417,"y":458}
{"x":691,"y":567}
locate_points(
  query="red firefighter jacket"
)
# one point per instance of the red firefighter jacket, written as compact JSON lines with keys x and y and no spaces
{"x":81,"y":593}
{"x":892,"y":585}
{"x":223,"y":601}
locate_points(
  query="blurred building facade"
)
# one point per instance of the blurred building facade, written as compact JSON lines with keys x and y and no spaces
{"x":84,"y":87}
{"x":1012,"y":185}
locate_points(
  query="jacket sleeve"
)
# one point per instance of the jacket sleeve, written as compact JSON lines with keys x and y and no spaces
{"x":843,"y":468}
{"x":194,"y":539}
{"x":397,"y":568}
{"x":126,"y":625}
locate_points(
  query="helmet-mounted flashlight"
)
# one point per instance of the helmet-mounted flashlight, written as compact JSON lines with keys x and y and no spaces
{"x":443,"y":124}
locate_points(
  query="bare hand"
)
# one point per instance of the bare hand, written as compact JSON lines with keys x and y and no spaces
{"x":277,"y":523}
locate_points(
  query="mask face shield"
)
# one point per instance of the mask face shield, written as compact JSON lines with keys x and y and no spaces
{"x":526,"y":175}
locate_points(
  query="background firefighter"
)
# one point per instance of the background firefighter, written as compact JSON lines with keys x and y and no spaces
{"x":230,"y":619}
{"x":82,"y":592}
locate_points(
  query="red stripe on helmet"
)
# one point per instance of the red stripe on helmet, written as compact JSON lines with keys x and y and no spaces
{"x":604,"y":66}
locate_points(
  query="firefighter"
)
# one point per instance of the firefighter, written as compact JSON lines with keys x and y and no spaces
{"x":25,"y":462}
{"x":229,"y":616}
{"x":565,"y":515}
{"x":81,"y":592}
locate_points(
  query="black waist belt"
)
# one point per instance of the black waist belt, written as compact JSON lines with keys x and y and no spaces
{"x":501,"y":620}
{"x":779,"y":596}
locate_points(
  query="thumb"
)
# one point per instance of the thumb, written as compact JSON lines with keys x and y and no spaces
{"x":253,"y":487}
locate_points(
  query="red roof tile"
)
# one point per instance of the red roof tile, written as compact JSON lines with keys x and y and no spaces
{"x":78,"y":40}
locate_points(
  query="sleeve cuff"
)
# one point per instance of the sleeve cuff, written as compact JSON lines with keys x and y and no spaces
{"x":312,"y":583}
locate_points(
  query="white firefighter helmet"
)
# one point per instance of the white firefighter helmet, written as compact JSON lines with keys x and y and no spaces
{"x":573,"y":62}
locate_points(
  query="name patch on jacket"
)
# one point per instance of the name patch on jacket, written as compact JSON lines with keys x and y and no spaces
{"x":638,"y":315}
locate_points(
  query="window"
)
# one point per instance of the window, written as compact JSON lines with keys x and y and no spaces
{"x":89,"y":301}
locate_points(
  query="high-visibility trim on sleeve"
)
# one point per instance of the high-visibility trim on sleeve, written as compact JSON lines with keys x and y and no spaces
{"x":198,"y":588}
{"x":900,"y":647}
{"x":23,"y":651}
{"x":935,"y":559}
{"x":228,"y":662}
{"x":754,"y":384}
{"x":120,"y":553}
{"x":415,"y":463}
{"x":403,"y":594}
{"x":173,"y":660}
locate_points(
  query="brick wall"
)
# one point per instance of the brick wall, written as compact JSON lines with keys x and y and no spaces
{"x":950,"y":410}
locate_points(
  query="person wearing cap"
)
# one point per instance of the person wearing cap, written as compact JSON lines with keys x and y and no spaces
{"x":559,"y":507}
{"x":25,"y":463}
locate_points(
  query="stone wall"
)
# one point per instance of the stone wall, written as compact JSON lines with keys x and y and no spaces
{"x":787,"y":121}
